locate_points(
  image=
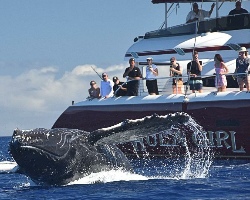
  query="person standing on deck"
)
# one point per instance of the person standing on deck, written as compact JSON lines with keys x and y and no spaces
{"x":176,"y":71}
{"x":194,"y":69}
{"x":151,"y":81}
{"x":198,"y":14}
{"x":106,"y":86}
{"x":133,"y":75}
{"x":242,"y":71}
{"x":220,"y":71}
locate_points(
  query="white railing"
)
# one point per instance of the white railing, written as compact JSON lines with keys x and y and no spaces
{"x":165,"y":84}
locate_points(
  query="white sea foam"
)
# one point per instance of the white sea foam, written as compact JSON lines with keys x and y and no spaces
{"x":8,"y":167}
{"x":109,"y":176}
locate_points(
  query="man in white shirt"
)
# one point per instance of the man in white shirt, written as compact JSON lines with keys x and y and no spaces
{"x":106,"y":86}
{"x":198,"y":14}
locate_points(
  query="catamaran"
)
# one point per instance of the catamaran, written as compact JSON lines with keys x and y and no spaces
{"x":224,"y":115}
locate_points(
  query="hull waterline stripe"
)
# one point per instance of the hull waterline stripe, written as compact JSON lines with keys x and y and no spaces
{"x":188,"y":50}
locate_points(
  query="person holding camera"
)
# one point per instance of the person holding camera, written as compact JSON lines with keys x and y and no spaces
{"x":176,"y":71}
{"x":151,"y":81}
{"x":194,"y":69}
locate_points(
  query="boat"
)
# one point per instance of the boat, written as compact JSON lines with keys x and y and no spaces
{"x":224,"y":115}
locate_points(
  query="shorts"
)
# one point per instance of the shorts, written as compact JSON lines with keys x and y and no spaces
{"x":243,"y":79}
{"x":152,"y":86}
{"x":195,"y":84}
{"x":179,"y":83}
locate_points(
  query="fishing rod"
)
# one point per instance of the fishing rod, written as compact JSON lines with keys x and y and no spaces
{"x":97,"y":73}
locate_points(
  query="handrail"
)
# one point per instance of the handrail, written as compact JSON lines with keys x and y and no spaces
{"x":186,"y":77}
{"x":208,"y":25}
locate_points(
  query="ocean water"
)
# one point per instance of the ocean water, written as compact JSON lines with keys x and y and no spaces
{"x":152,"y":179}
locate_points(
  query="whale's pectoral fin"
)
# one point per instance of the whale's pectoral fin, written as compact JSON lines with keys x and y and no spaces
{"x":131,"y":130}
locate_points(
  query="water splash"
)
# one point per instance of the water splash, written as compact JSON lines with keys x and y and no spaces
{"x":187,"y":149}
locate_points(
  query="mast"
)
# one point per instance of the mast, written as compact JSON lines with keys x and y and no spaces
{"x":166,"y":15}
{"x":217,"y":8}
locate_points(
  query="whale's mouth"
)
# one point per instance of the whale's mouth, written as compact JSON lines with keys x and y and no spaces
{"x":42,"y":151}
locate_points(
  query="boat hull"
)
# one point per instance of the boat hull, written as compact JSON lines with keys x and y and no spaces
{"x":224,"y":117}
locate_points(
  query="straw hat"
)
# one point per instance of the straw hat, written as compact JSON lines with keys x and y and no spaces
{"x":242,"y":49}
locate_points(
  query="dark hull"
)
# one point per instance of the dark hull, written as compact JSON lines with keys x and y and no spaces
{"x":226,"y":121}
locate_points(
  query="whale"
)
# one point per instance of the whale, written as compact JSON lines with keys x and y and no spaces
{"x":59,"y":156}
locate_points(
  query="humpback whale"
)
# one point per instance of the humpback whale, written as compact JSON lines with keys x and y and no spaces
{"x":59,"y":156}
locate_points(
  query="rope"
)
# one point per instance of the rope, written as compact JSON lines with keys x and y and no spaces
{"x":196,"y":34}
{"x":174,"y":8}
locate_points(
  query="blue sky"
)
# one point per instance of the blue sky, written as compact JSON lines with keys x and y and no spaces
{"x":48,"y":46}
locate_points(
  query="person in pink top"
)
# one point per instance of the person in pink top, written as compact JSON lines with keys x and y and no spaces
{"x":220,"y":71}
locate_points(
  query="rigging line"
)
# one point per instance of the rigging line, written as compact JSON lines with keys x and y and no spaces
{"x":177,"y":5}
{"x":197,"y":23}
{"x":97,"y":73}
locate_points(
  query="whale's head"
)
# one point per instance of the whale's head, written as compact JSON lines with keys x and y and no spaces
{"x":59,"y":156}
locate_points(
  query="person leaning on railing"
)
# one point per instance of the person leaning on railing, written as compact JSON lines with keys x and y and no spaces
{"x":119,"y":88}
{"x":242,"y":71}
{"x":237,"y":21}
{"x":94,"y":91}
{"x":198,"y":14}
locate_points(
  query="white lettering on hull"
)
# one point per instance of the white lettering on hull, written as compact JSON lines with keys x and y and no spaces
{"x":218,"y":139}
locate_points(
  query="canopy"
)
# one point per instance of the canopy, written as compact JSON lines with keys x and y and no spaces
{"x":188,"y":1}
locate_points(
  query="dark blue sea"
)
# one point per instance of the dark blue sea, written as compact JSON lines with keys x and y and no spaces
{"x":154,"y":179}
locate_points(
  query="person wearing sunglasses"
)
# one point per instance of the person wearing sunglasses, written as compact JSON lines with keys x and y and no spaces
{"x":106,"y":86}
{"x":151,"y":73}
{"x":242,"y":69}
{"x":119,"y":88}
{"x":176,"y":71}
{"x":133,"y":75}
{"x":94,"y":90}
{"x":194,"y":69}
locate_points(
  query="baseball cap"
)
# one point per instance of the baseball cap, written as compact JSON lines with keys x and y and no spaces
{"x":131,"y":59}
{"x":115,"y":78}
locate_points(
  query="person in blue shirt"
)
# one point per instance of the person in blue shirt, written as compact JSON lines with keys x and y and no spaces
{"x":106,"y":86}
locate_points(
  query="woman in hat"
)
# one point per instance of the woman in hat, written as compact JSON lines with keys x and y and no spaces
{"x":242,"y":64}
